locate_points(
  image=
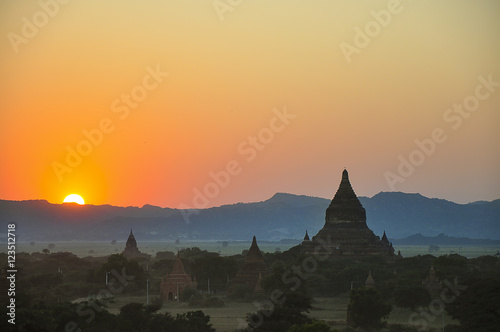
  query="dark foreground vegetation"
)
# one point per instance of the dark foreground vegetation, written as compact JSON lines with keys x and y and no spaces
{"x":48,"y":284}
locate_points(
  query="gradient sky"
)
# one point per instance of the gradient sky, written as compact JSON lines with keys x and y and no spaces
{"x":225,"y":78}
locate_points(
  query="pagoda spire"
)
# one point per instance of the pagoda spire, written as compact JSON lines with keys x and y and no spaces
{"x":345,"y":206}
{"x":131,"y":242}
{"x":370,"y":282}
{"x":384,"y":239}
{"x":254,"y":252}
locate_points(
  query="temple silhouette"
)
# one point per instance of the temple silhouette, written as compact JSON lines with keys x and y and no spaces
{"x":253,"y":270}
{"x":131,"y":250}
{"x":173,"y":284}
{"x":345,"y":232}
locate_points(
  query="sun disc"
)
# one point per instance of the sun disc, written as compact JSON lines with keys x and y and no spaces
{"x":74,"y":198}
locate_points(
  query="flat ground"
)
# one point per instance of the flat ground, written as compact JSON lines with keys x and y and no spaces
{"x":230,"y":317}
{"x":99,"y":249}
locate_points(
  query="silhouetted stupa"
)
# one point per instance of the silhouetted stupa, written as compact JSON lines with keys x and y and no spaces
{"x":345,"y":232}
{"x":131,"y":249}
{"x":253,"y":269}
{"x":370,"y":282}
{"x":432,"y":283}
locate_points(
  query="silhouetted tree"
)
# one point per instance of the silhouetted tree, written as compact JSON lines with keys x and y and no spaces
{"x":316,"y":326}
{"x":477,"y":308}
{"x":284,"y":306}
{"x":133,"y":317}
{"x":412,"y":297}
{"x":217,"y":269}
{"x":193,"y":321}
{"x":366,"y":308}
{"x":120,"y":264}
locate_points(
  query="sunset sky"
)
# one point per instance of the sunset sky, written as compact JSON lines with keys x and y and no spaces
{"x":279,"y":95}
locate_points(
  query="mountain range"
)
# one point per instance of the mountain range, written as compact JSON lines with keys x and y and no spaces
{"x":283,"y":216}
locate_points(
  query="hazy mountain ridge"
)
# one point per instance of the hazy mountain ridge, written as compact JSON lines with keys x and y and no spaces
{"x":282,"y":216}
{"x":441,"y":239}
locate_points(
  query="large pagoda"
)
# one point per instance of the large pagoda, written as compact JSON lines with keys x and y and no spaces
{"x":345,"y":232}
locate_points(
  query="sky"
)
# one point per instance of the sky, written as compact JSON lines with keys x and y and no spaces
{"x":199,"y":103}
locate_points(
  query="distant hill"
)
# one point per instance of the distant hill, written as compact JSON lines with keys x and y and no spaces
{"x":402,"y":215}
{"x":441,"y":239}
{"x":282,"y":216}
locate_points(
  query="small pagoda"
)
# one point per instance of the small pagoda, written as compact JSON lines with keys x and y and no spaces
{"x":432,"y":283}
{"x":370,"y":282}
{"x":173,"y":284}
{"x":131,"y":250}
{"x":253,"y":270}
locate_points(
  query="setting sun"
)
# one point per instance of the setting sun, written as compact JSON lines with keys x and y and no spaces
{"x":74,"y":198}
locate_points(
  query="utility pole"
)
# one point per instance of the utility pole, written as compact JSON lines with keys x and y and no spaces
{"x":107,"y":278}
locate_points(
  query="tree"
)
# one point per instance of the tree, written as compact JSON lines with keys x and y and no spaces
{"x":63,"y":317}
{"x":316,"y":326}
{"x":134,"y":316}
{"x":34,"y":319}
{"x":241,"y":292}
{"x":189,"y":293}
{"x":165,"y":255}
{"x":412,"y":297}
{"x":366,"y":308}
{"x":477,"y":307}
{"x":137,"y":317}
{"x":193,"y":321}
{"x":284,"y":308}
{"x":118,"y":264}
{"x":161,"y":323}
{"x":214,"y":268}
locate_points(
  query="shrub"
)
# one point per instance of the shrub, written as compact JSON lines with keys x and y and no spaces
{"x":189,"y":293}
{"x":241,"y":292}
{"x":214,"y":301}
